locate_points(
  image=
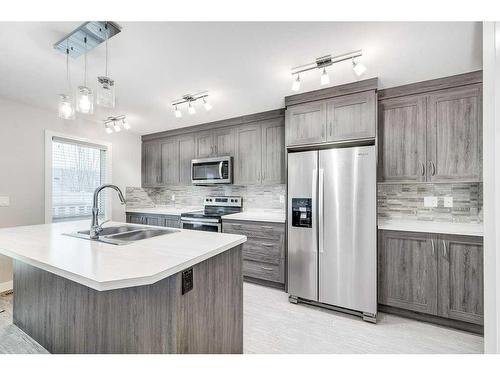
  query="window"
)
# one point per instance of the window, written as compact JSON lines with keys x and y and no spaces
{"x":77,"y":168}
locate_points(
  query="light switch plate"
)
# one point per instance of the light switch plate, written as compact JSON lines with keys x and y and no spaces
{"x":448,"y":201}
{"x":4,"y":201}
{"x":430,"y":201}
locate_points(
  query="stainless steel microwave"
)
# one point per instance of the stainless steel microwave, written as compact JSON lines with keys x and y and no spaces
{"x":218,"y":170}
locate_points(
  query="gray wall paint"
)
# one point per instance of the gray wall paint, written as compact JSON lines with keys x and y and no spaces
{"x":22,"y":163}
{"x":254,"y":196}
{"x":406,"y":201}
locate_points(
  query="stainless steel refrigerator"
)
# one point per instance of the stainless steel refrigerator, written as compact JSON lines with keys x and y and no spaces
{"x":332,"y":229}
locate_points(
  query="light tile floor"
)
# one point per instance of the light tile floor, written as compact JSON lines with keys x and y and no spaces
{"x":273,"y":325}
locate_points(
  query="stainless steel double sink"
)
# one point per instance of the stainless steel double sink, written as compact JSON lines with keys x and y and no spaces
{"x":123,"y":234}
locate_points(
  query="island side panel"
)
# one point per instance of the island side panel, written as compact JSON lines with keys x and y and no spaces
{"x":67,"y":317}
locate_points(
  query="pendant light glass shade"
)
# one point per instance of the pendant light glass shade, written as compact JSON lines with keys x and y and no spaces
{"x":66,"y":107}
{"x":84,"y":94}
{"x":106,"y":92}
{"x":85,"y":100}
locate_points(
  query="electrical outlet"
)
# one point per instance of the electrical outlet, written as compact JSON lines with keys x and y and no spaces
{"x":172,"y":198}
{"x":282,"y":198}
{"x":4,"y":201}
{"x":430,"y":201}
{"x":448,"y":201}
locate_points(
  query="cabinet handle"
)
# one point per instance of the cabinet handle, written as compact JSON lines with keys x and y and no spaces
{"x":433,"y":249}
{"x":433,"y":166}
{"x":445,"y":250}
{"x":216,"y":149}
{"x":268,"y":244}
{"x":422,"y":168}
{"x":266,"y":268}
{"x":266,"y":227}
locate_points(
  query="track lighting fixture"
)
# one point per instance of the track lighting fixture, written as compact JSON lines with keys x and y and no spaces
{"x":296,"y":83}
{"x":325,"y":61}
{"x":191,"y":99}
{"x":113,"y":123}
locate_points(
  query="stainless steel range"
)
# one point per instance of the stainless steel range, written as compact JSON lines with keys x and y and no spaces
{"x":210,"y":219}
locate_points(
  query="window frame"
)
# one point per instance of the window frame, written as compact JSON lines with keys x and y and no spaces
{"x":49,"y":135}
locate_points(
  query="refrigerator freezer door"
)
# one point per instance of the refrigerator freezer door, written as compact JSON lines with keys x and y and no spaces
{"x":303,"y":227}
{"x":348,"y":255}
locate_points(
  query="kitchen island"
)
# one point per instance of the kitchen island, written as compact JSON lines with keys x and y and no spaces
{"x":176,"y":293}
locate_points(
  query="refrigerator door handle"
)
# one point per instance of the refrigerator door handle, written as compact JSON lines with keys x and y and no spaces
{"x":320,"y":210}
{"x":314,"y":196}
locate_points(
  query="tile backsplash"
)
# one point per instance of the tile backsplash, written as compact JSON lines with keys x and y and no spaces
{"x":253,"y":196}
{"x":406,"y":201}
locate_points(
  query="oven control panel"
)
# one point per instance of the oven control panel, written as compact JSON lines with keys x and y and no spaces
{"x":223,"y":201}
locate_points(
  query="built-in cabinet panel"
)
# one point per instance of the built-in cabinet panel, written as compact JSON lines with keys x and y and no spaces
{"x":224,"y":142}
{"x":407,"y":267}
{"x":440,"y":275}
{"x":454,"y":129}
{"x":186,"y":154}
{"x":352,"y":117}
{"x":151,"y":168}
{"x":248,"y":156}
{"x":204,"y":144}
{"x":402,"y":137}
{"x":461,"y":278}
{"x":273,"y":152}
{"x":343,"y":118}
{"x":169,"y":150}
{"x":434,"y":137}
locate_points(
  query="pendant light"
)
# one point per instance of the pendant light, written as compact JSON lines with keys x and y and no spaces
{"x":84,"y":94}
{"x":106,"y":87}
{"x":66,"y":107}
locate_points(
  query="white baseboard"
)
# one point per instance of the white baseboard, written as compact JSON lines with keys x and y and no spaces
{"x":8,"y":285}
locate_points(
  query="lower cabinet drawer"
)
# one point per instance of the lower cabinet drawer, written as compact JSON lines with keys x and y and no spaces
{"x":270,"y":231}
{"x":261,"y":250}
{"x":264,"y":271}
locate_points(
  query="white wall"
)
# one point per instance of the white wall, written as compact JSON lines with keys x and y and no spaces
{"x":22,"y":163}
{"x":491,"y":173}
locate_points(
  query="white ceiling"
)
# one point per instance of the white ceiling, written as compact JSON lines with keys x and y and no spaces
{"x":245,"y":66}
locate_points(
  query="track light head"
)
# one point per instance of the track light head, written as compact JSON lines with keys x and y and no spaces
{"x":207,"y":105}
{"x":191,"y":109}
{"x":177,"y":112}
{"x":325,"y":78}
{"x":358,"y":68}
{"x":296,"y":83}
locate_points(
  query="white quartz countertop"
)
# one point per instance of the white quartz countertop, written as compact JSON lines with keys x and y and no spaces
{"x":466,"y":229}
{"x":265,"y":214}
{"x":176,"y":211}
{"x":104,"y":266}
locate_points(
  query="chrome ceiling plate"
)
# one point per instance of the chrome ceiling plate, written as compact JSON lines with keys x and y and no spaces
{"x":94,"y":31}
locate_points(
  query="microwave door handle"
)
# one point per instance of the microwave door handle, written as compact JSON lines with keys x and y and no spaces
{"x":220,"y":169}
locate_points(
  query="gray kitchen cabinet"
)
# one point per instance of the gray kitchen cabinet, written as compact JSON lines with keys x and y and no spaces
{"x":169,"y":150}
{"x":151,"y":166}
{"x":352,"y":116}
{"x":172,"y":221}
{"x":273,"y":152}
{"x":454,"y":134}
{"x":264,"y":251}
{"x":134,"y":218}
{"x":223,"y":142}
{"x":248,"y":155}
{"x":460,"y":292}
{"x":306,"y":124}
{"x":186,"y":154}
{"x":402,"y":139}
{"x":407,"y":271}
{"x":204,"y":143}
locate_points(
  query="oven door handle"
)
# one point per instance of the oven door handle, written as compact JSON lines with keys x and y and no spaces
{"x":213,"y":222}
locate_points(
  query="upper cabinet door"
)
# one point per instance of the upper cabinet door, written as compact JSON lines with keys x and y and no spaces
{"x":306,"y":124}
{"x":204,"y":143}
{"x":402,"y":139}
{"x":248,"y":156}
{"x":224,"y":142}
{"x":186,"y":154}
{"x":461,"y":278}
{"x":454,"y":140}
{"x":352,"y":117}
{"x":170,"y":161}
{"x":150,"y":164}
{"x":273,"y":152}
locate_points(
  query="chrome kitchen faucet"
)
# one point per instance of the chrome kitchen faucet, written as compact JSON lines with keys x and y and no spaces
{"x":95,"y":227}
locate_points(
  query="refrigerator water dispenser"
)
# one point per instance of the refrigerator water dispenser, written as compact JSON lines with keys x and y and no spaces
{"x":302,"y":212}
